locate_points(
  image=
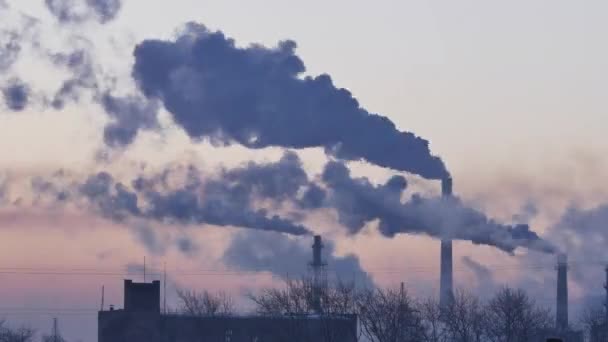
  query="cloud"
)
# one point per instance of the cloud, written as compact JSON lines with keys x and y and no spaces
{"x":81,"y":11}
{"x":216,"y":201}
{"x":16,"y":95}
{"x":128,"y":115}
{"x":80,"y":64}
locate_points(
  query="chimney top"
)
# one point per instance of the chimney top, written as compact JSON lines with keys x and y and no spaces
{"x":446,"y":186}
{"x":562,"y":259}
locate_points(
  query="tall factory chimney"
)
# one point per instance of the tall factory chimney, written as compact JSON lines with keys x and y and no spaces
{"x":561,"y":315}
{"x":446,"y":292}
{"x":606,"y":299}
{"x":318,"y":275}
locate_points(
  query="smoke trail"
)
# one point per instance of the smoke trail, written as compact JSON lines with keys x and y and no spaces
{"x":485,"y":277}
{"x":80,"y":11}
{"x":258,"y":97}
{"x":16,"y":95}
{"x":285,"y":257}
{"x":214,"y":201}
{"x":358,"y":202}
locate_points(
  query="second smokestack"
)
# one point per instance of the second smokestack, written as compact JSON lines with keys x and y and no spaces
{"x":562,"y":293}
{"x":446,"y":292}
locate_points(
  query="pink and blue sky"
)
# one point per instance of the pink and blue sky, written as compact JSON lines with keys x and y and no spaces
{"x":511,"y":95}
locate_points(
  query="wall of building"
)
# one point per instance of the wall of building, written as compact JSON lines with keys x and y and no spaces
{"x":123,"y":326}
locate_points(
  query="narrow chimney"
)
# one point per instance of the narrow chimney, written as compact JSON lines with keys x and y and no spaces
{"x":562,"y":293}
{"x":606,"y":300}
{"x":318,"y":267}
{"x":446,"y":292}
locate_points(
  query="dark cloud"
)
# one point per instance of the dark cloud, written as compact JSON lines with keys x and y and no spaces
{"x":81,"y":11}
{"x":105,"y":10}
{"x":214,"y":201}
{"x":279,"y":181}
{"x":81,"y":66}
{"x":10,"y":48}
{"x":128,"y":115}
{"x":16,"y":95}
{"x":258,"y":97}
{"x":287,"y":257}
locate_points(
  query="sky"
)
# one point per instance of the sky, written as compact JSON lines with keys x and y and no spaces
{"x":509,"y":94}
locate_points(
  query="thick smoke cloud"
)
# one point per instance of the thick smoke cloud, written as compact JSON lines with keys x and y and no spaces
{"x":258,"y":97}
{"x":229,"y":198}
{"x":216,"y":201}
{"x":16,"y":95}
{"x":286,"y":257}
{"x":80,"y":11}
{"x":358,"y":202}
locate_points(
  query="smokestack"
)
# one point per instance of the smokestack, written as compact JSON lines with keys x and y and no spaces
{"x":318,"y":276}
{"x":606,"y":300}
{"x":446,"y":292}
{"x":562,"y":293}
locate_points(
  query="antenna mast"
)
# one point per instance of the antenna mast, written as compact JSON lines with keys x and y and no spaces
{"x":102,"y":296}
{"x":144,"y":268}
{"x":165,"y":289}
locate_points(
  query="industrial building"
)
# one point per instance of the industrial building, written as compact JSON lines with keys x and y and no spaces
{"x":141,"y":320}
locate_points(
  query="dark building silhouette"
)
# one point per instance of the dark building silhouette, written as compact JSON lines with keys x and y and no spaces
{"x":141,"y":320}
{"x":142,"y":296}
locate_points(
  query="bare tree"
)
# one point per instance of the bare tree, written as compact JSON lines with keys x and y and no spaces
{"x":205,"y":303}
{"x":512,"y":316}
{"x":595,"y":322}
{"x":388,"y":315}
{"x":294,"y":299}
{"x":22,"y":334}
{"x":464,"y":318}
{"x":52,"y":338}
{"x":432,"y":318}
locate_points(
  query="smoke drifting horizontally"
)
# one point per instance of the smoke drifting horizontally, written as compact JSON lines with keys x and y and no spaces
{"x":258,"y":97}
{"x":232,"y":197}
